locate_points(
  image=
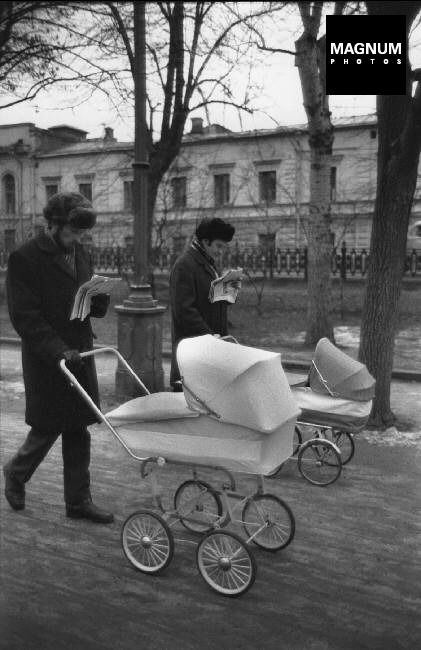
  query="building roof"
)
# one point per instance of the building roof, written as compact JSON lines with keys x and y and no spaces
{"x":356,"y":121}
{"x":64,"y":127}
{"x":104,"y":145}
{"x":96,"y":145}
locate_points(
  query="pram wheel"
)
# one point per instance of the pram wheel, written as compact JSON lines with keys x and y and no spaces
{"x":345,"y":442}
{"x":275,"y":519}
{"x":319,"y":462}
{"x":198,"y":506}
{"x":297,"y":441}
{"x":147,"y":541}
{"x":225,"y":563}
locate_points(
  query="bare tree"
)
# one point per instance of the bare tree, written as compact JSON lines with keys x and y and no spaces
{"x":184,"y":40}
{"x":311,"y":62}
{"x":399,"y":128}
{"x":39,"y":45}
{"x":310,"y":58}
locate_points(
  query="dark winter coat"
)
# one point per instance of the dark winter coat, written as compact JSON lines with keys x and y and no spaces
{"x":40,"y":290}
{"x":191,"y":311}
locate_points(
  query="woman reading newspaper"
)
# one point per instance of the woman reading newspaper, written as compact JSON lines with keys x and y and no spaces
{"x":199,"y":296}
{"x":43,"y":277}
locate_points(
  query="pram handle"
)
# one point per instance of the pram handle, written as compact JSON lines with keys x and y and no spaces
{"x":229,"y":337}
{"x":87,"y":398}
{"x":91,"y":353}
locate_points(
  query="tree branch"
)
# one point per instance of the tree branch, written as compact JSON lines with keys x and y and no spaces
{"x":123,"y":33}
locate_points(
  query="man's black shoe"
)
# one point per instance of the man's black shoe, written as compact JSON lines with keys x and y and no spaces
{"x":14,"y":491}
{"x":87,"y":510}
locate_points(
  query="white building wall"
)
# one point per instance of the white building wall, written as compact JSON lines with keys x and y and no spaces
{"x":354,"y":156}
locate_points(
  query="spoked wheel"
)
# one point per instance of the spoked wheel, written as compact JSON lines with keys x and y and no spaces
{"x":297,"y":441}
{"x":319,"y":462}
{"x":147,"y":541}
{"x":345,"y":442}
{"x":226,"y":563}
{"x":275,"y":515}
{"x":198,"y":506}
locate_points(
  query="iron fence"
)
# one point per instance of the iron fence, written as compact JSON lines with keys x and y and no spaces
{"x":271,"y":263}
{"x":258,"y":262}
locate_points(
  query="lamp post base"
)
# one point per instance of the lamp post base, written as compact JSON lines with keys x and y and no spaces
{"x":140,"y":342}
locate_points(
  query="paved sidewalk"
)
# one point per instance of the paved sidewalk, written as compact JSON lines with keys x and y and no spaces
{"x":350,"y":580}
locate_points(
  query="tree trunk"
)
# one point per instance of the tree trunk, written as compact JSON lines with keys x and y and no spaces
{"x":399,"y":129}
{"x":397,"y":177}
{"x":316,"y":104}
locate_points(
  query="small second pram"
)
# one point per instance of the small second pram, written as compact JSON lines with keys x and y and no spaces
{"x":335,"y":402}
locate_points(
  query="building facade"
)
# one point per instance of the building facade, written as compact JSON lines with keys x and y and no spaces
{"x":36,"y":163}
{"x":257,"y":180}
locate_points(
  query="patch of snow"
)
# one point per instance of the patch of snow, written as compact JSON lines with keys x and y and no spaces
{"x":392,"y":437}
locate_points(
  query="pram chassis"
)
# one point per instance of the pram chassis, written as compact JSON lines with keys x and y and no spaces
{"x":224,"y":560}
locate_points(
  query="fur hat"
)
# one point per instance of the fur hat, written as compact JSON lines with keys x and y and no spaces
{"x":70,"y":208}
{"x":214,"y":229}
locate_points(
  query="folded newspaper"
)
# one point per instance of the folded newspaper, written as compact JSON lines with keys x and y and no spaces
{"x":227,"y":286}
{"x":97,"y":284}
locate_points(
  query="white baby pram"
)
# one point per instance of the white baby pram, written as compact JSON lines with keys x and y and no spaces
{"x":335,"y":402}
{"x":230,"y":418}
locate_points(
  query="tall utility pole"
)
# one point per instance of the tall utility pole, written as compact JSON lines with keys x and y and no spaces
{"x":141,"y":157}
{"x":140,"y":317}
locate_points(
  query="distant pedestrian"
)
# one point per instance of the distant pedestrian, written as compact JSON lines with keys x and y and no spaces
{"x":43,"y":277}
{"x":192,"y":313}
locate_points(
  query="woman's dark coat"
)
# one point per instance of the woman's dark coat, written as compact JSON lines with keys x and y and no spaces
{"x":40,"y":290}
{"x":192,"y":312}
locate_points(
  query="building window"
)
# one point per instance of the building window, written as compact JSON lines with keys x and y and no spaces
{"x":267,"y":187}
{"x":222,"y":189}
{"x":179,"y":192}
{"x":9,"y":239}
{"x":267,"y":241}
{"x":333,"y":183}
{"x":86,"y":190}
{"x":50,"y":190}
{"x":128,"y":195}
{"x":9,"y":193}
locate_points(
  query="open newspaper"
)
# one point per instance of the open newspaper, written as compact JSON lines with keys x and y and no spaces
{"x":227,"y":286}
{"x":97,"y":284}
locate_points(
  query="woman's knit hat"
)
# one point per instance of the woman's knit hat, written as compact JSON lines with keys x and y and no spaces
{"x":214,"y":229}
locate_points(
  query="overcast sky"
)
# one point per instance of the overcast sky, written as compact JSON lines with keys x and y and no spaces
{"x":280,"y":101}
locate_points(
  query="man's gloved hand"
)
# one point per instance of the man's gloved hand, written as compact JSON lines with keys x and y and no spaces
{"x":73,"y":357}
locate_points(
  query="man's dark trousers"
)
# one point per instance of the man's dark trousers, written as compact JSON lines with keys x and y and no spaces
{"x":76,"y":445}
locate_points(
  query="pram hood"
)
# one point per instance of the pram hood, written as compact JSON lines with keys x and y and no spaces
{"x":334,"y":373}
{"x":235,"y":383}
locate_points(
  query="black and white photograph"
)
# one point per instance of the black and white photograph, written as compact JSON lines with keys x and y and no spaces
{"x":210,"y":325}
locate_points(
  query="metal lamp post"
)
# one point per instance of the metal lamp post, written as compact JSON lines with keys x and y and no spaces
{"x":140,"y":316}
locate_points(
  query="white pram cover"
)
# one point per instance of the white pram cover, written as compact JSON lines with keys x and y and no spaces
{"x":339,"y":390}
{"x":235,"y":383}
{"x":245,"y":387}
{"x":334,"y":373}
{"x":337,"y":412}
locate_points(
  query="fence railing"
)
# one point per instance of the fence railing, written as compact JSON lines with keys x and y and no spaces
{"x":270,"y":263}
